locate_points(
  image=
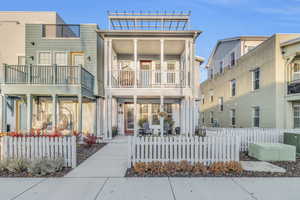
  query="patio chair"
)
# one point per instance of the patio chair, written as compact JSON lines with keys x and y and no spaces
{"x":177,"y":130}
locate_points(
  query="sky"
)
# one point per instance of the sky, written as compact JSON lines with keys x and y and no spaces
{"x":218,"y":19}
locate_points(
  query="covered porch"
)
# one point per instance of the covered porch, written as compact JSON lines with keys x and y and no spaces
{"x":155,"y":115}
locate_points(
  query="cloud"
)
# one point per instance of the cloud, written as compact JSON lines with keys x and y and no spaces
{"x":280,"y":11}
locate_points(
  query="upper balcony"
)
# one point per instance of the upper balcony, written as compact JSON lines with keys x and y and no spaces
{"x":60,"y":31}
{"x":48,"y":78}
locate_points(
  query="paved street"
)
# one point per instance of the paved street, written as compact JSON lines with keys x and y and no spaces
{"x":150,"y":188}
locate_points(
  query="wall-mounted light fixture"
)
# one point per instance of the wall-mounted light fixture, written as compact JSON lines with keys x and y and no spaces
{"x":32,"y":43}
{"x":32,"y":58}
{"x":89,"y":58}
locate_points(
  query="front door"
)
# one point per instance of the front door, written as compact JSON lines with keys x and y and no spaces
{"x":129,"y":118}
{"x":145,"y":78}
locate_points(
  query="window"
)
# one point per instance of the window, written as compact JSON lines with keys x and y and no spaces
{"x":203,"y":118}
{"x":296,"y":116}
{"x":168,"y":110}
{"x":256,"y":116}
{"x":232,"y":59}
{"x":155,"y":111}
{"x":211,"y":117}
{"x":233,"y":87}
{"x":221,"y":106}
{"x":255,"y":79}
{"x":21,"y":60}
{"x":144,"y":111}
{"x":60,"y":58}
{"x":211,"y":95}
{"x":221,"y":67}
{"x":232,"y":116}
{"x":296,"y":72}
{"x":44,"y":58}
{"x":203,"y":99}
{"x":211,"y":73}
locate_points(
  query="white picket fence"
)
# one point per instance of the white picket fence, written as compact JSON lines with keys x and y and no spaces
{"x":32,"y":148}
{"x":206,"y":150}
{"x":250,"y":135}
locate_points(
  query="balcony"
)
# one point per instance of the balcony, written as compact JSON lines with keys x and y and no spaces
{"x":50,"y":75}
{"x":293,"y":87}
{"x":148,"y":79}
{"x":60,"y":31}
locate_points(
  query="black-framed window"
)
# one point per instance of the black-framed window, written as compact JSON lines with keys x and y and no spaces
{"x":221,"y":67}
{"x":256,"y":116}
{"x":211,"y":117}
{"x":232,"y":59}
{"x":256,"y":79}
{"x":233,"y":117}
{"x":233,"y":88}
{"x":221,"y":104}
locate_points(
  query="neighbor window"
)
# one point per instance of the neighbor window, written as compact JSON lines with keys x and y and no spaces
{"x":233,"y":87}
{"x":211,"y":73}
{"x":256,"y":116}
{"x":232,"y":116}
{"x":203,"y":99}
{"x":203,"y":118}
{"x":155,"y":111}
{"x":21,"y":60}
{"x":232,"y":59}
{"x":296,"y":72}
{"x":221,"y":67}
{"x":221,"y":106}
{"x":256,"y":79}
{"x":296,"y":116}
{"x":44,"y":58}
{"x":211,"y":94}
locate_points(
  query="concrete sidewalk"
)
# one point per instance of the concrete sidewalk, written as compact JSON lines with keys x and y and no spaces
{"x":150,"y":188}
{"x":110,"y":161}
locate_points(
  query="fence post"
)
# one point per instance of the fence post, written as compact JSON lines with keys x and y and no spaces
{"x":73,"y":146}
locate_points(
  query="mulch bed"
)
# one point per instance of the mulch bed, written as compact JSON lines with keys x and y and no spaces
{"x":292,"y":170}
{"x":83,"y":153}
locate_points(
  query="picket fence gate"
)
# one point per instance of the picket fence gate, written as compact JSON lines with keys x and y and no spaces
{"x":32,"y":148}
{"x":206,"y":150}
{"x":250,"y":135}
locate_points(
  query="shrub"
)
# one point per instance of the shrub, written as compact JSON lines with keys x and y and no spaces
{"x":17,"y":165}
{"x":140,"y":168}
{"x":234,"y":167}
{"x":89,"y":140}
{"x":199,"y":168}
{"x":184,"y":166}
{"x":3,"y":165}
{"x":44,"y":166}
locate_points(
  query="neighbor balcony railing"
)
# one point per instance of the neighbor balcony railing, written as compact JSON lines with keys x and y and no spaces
{"x":148,"y":79}
{"x":48,"y":75}
{"x":60,"y":31}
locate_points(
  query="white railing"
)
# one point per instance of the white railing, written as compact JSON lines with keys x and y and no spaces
{"x":251,"y":135}
{"x":206,"y":150}
{"x":31,"y":148}
{"x":147,"y":79}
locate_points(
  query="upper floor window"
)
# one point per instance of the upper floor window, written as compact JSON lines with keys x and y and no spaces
{"x":233,"y":87}
{"x":221,"y":67}
{"x":44,"y":58}
{"x":256,"y":116}
{"x":221,"y":106}
{"x":232,"y":59}
{"x":211,"y":95}
{"x":232,"y":116}
{"x":296,"y":72}
{"x":60,"y":31}
{"x":203,"y":99}
{"x":256,"y":79}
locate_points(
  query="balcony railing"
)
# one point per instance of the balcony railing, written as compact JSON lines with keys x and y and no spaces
{"x":48,"y":75}
{"x":148,"y":79}
{"x":61,"y":31}
{"x":293,"y":87}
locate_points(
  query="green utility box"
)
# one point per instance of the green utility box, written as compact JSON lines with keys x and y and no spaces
{"x":273,"y":152}
{"x":292,"y":139}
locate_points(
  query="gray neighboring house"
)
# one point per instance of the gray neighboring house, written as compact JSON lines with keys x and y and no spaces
{"x":60,"y":85}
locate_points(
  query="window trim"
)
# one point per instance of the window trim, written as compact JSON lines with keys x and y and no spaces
{"x":54,"y":56}
{"x":38,"y":58}
{"x":254,"y":117}
{"x":253,"y":79}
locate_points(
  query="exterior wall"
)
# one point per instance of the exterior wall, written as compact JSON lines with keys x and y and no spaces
{"x":87,"y":43}
{"x":270,"y":96}
{"x":12,"y":32}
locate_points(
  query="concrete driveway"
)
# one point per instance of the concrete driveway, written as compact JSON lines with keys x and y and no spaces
{"x":150,"y":188}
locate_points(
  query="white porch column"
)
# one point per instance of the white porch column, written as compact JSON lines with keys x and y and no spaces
{"x":162,"y":67}
{"x":96,"y":115}
{"x":106,"y":70}
{"x":105,"y":118}
{"x":3,"y":113}
{"x":110,"y":116}
{"x":186,"y":66}
{"x":182,"y":127}
{"x":192,"y":109}
{"x":54,"y":112}
{"x":135,"y":125}
{"x":187,"y":119}
{"x":29,"y":112}
{"x":135,"y":58}
{"x":162,"y":118}
{"x":109,"y":62}
{"x":79,"y":117}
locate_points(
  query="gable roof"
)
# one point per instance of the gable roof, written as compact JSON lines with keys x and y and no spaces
{"x":290,"y":42}
{"x":244,"y":38}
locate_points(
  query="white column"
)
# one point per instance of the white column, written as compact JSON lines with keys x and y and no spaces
{"x":105,"y":118}
{"x":135,"y":115}
{"x":79,"y":117}
{"x":3,"y":113}
{"x":54,"y":112}
{"x":110,"y":116}
{"x":29,"y":112}
{"x":161,"y":118}
{"x":191,"y":116}
{"x":106,"y":70}
{"x":187,"y":119}
{"x":186,"y":66}
{"x":110,"y":57}
{"x":162,"y":66}
{"x":135,"y":58}
{"x":182,"y":128}
{"x":191,"y":64}
{"x":96,"y":115}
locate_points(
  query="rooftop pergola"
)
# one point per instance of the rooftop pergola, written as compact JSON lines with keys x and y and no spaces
{"x":152,"y":21}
